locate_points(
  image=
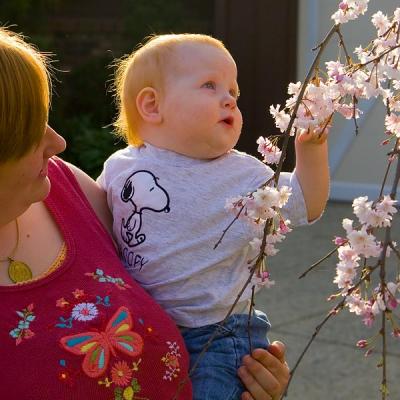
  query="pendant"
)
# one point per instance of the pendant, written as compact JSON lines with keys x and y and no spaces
{"x":18,"y":271}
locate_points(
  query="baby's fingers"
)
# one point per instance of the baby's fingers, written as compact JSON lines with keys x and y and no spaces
{"x":312,"y":137}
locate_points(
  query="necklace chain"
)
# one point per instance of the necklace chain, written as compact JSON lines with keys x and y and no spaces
{"x":16,"y":244}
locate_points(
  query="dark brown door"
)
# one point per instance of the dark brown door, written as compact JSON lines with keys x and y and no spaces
{"x":262,"y":37}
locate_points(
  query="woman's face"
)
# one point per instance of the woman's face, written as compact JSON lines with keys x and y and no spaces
{"x":25,"y":181}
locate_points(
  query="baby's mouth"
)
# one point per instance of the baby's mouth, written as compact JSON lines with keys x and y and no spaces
{"x":228,"y":121}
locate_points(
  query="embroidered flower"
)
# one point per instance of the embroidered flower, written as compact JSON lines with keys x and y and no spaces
{"x":84,"y":312}
{"x":23,"y":331}
{"x":62,"y":303}
{"x":121,"y":373}
{"x":171,"y":361}
{"x":78,"y":293}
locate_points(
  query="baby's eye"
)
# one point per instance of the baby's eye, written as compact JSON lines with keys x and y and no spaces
{"x":209,"y":85}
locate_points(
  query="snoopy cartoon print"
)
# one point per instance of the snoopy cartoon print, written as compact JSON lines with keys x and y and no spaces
{"x":142,"y":191}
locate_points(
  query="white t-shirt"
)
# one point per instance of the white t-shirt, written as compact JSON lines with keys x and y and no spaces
{"x":169,"y":212}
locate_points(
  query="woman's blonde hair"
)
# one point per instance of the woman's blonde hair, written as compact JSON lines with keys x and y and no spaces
{"x":146,"y":66}
{"x":24,"y":95}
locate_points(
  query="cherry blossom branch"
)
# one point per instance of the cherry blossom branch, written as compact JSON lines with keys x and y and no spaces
{"x":388,"y":242}
{"x":380,"y":264}
{"x":318,"y":328}
{"x":378,"y":58}
{"x":252,"y":269}
{"x":318,"y":262}
{"x":321,"y":47}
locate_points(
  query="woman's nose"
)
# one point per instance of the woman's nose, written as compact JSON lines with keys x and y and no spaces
{"x":55,"y":142}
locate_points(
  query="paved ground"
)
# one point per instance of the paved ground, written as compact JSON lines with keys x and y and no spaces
{"x":333,"y":368}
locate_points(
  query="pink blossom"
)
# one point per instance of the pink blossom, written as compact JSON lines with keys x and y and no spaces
{"x":263,"y":279}
{"x":271,"y":153}
{"x":369,"y":319}
{"x":348,"y":111}
{"x":381,"y":22}
{"x":270,"y":249}
{"x":339,"y":241}
{"x":284,"y":194}
{"x":284,"y":226}
{"x":255,"y":244}
{"x":347,"y":225}
{"x":364,"y":243}
{"x":386,"y":205}
{"x":392,"y":123}
{"x":349,"y":10}
{"x":280,"y":117}
{"x":356,"y":304}
{"x":396,"y":333}
{"x":335,"y":70}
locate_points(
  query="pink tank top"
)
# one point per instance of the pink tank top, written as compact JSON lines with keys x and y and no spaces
{"x":86,"y":330}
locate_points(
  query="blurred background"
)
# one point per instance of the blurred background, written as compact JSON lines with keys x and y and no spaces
{"x":86,"y":36}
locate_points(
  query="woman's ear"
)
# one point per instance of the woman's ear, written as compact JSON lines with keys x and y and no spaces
{"x":147,"y":104}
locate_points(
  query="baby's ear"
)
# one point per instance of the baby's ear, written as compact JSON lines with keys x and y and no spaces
{"x":147,"y":104}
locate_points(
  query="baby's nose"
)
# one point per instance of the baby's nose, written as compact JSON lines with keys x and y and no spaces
{"x":229,"y":101}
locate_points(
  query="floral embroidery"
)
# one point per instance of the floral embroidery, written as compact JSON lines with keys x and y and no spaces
{"x":81,"y":307}
{"x":84,"y":312}
{"x":78,"y":293}
{"x":99,"y":276}
{"x":23,"y":331}
{"x":126,"y":386}
{"x":121,"y":373}
{"x":171,"y":361}
{"x":129,"y":393}
{"x":62,"y":303}
{"x":78,"y":296}
{"x":96,"y":347}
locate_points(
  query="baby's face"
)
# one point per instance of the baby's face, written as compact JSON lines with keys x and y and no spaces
{"x":199,"y":109}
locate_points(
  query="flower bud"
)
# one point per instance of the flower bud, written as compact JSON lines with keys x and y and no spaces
{"x":362,"y":343}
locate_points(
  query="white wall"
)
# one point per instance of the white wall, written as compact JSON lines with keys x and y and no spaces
{"x":357,"y":163}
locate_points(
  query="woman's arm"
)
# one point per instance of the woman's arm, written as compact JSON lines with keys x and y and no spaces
{"x":265,"y":374}
{"x":96,"y":196}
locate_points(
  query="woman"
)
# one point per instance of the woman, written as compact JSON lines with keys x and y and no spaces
{"x":74,"y":326}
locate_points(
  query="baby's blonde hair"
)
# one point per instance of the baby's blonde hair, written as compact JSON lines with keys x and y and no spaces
{"x":145,"y":67}
{"x":24,"y":95}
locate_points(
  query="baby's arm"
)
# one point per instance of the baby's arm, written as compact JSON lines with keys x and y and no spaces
{"x":96,"y":196}
{"x":312,"y":171}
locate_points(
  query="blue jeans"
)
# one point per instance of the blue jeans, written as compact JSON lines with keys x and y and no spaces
{"x":215,"y":377}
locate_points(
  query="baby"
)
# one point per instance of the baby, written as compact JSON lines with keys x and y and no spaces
{"x":177,"y":97}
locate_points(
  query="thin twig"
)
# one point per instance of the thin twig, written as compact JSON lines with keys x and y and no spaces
{"x":334,"y":311}
{"x":251,"y":310}
{"x":377,"y":58}
{"x":343,"y":46}
{"x":228,"y":227}
{"x":318,"y":262}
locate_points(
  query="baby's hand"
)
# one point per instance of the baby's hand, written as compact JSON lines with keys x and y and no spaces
{"x":316,"y":136}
